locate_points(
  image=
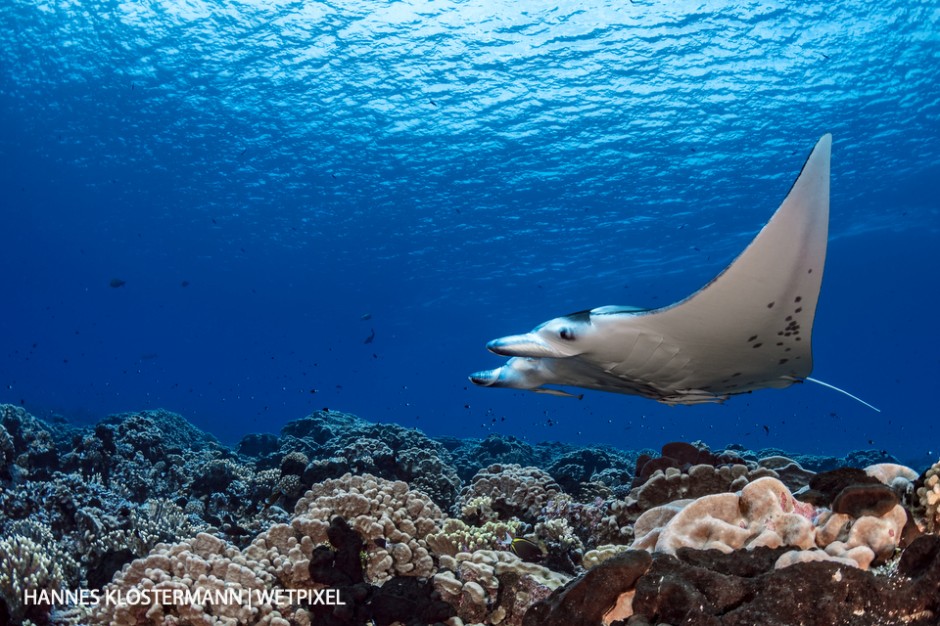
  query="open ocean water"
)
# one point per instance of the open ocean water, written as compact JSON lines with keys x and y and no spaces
{"x":245,"y":211}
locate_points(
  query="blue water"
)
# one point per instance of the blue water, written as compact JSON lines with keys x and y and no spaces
{"x":264,"y":175}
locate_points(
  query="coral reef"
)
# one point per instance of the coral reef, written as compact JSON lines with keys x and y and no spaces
{"x":411,"y":530}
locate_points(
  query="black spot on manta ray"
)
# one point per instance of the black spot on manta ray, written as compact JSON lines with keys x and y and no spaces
{"x":751,"y":338}
{"x":799,"y":309}
{"x":770,"y":305}
{"x":757,"y":345}
{"x":782,"y":361}
{"x":799,"y":298}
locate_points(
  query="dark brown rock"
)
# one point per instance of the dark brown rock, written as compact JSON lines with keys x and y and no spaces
{"x":682,"y":456}
{"x":831,"y":483}
{"x":920,"y":556}
{"x":686,"y":454}
{"x":585,"y":600}
{"x":910,"y":532}
{"x":755,"y":563}
{"x":743,"y":589}
{"x":858,"y":500}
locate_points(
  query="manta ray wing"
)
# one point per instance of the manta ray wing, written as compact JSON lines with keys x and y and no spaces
{"x":749,"y":328}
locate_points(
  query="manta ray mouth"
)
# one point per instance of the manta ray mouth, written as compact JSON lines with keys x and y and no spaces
{"x":528,"y":345}
{"x":486,"y":378}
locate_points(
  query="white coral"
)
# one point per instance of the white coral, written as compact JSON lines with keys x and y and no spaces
{"x":26,"y":564}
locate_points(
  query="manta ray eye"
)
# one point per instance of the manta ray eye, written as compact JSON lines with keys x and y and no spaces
{"x":566,"y":333}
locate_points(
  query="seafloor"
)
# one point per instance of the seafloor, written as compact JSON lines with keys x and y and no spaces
{"x":412,"y":530}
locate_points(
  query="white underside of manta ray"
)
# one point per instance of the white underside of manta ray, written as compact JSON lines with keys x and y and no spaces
{"x":749,"y":328}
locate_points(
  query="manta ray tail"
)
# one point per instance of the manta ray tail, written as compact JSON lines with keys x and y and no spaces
{"x":834,"y":388}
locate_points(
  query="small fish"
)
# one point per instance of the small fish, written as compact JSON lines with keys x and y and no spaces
{"x":366,"y":316}
{"x":528,"y":550}
{"x":232,"y":528}
{"x":370,"y":338}
{"x":235,"y":530}
{"x":117,"y":282}
{"x":274,"y":497}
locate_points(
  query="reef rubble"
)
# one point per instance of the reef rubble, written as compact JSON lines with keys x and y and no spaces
{"x":409,"y":530}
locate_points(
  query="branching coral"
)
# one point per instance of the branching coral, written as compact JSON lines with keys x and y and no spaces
{"x":27,"y":564}
{"x":456,"y":536}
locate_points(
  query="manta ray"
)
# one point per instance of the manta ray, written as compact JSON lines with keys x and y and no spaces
{"x":749,"y":328}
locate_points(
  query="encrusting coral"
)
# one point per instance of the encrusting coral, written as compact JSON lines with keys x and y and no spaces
{"x":765,"y":514}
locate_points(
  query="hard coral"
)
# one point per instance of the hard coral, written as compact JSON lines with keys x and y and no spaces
{"x":493,"y":586}
{"x":393,"y":521}
{"x":765,"y":513}
{"x":457,"y":536}
{"x":929,"y":495}
{"x":27,"y":564}
{"x":202,"y":564}
{"x":513,"y":491}
{"x":342,"y":443}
